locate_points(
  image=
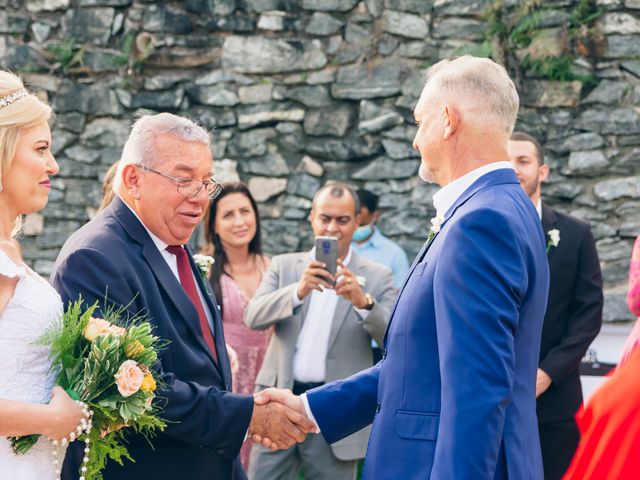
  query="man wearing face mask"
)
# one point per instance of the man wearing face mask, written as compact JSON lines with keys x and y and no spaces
{"x":370,"y":243}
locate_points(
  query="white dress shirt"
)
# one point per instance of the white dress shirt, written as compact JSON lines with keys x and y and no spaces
{"x":309,"y":361}
{"x":444,"y":198}
{"x":172,"y":261}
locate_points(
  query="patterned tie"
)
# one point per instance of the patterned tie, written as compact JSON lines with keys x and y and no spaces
{"x":188,"y":283}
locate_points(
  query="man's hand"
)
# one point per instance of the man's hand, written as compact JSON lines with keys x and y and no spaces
{"x":275,"y":423}
{"x":286,"y":398}
{"x":543,"y":382}
{"x":314,"y":277}
{"x":349,"y":288}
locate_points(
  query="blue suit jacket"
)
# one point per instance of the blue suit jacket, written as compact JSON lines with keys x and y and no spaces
{"x":207,"y":423}
{"x":454,"y":398}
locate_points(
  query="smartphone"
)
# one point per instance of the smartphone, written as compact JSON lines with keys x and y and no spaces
{"x":327,"y":253}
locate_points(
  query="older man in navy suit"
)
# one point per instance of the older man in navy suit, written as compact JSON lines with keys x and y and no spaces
{"x":454,"y":397}
{"x":134,"y":254}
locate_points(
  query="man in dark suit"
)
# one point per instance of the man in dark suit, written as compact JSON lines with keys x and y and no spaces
{"x":574,"y":311}
{"x":134,"y":253}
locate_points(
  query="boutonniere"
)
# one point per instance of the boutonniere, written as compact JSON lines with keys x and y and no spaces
{"x":361,"y":281}
{"x":436,"y":223}
{"x":203,"y":262}
{"x":554,"y":239}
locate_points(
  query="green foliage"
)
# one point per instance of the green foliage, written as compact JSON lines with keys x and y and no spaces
{"x":131,"y":58}
{"x":67,"y":55}
{"x":507,"y":34}
{"x":555,"y":68}
{"x":122,"y":60}
{"x":484,"y":49}
{"x":102,"y":448}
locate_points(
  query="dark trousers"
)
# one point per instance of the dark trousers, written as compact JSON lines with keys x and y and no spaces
{"x":559,"y":441}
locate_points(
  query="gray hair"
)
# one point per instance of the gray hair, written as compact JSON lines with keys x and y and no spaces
{"x":337,"y":190}
{"x":140,"y":146}
{"x":479,"y":82}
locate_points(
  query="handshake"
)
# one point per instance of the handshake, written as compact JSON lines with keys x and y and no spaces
{"x":279,"y":419}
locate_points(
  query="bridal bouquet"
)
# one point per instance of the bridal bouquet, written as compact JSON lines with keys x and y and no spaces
{"x":106,"y":363}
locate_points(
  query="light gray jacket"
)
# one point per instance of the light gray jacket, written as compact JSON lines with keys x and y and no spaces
{"x":349,"y":349}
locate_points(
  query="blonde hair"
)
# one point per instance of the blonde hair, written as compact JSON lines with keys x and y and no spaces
{"x":107,"y":187}
{"x":479,"y":82}
{"x":24,"y":113}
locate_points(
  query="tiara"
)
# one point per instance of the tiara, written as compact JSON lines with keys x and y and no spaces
{"x":12,"y":97}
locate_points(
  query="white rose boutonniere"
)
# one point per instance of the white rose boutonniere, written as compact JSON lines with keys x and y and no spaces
{"x":204,"y":263}
{"x":361,"y":281}
{"x":436,"y":223}
{"x":554,"y":238}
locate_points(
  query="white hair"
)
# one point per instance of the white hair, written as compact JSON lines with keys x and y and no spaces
{"x":140,"y":146}
{"x":479,"y":83}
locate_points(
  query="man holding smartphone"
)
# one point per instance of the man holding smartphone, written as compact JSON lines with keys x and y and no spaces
{"x":324,"y":323}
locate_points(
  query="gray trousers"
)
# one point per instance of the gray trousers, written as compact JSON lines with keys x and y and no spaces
{"x":313,"y":456}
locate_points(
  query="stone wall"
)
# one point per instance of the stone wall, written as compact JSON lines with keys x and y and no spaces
{"x":299,"y":92}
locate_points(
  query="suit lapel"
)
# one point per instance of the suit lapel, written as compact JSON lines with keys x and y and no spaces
{"x":162,"y":272}
{"x":495,"y":177}
{"x":549,"y":222}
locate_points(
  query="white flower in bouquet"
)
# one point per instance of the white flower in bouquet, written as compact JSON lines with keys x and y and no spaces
{"x":204,"y":263}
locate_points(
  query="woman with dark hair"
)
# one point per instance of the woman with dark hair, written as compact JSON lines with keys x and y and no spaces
{"x":232,"y":232}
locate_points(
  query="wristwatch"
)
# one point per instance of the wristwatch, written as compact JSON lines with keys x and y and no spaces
{"x":370,"y":301}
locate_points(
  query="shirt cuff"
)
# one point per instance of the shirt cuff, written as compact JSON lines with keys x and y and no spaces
{"x":363,"y":312}
{"x":308,"y":411}
{"x":295,"y":301}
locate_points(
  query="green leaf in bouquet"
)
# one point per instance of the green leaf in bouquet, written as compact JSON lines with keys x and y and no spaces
{"x":110,"y":402}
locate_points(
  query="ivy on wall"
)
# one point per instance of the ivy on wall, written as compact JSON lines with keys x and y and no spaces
{"x":532,"y":40}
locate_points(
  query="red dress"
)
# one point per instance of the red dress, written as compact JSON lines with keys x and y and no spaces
{"x":610,"y":427}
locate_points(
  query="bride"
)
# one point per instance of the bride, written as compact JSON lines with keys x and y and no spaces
{"x":29,"y":403}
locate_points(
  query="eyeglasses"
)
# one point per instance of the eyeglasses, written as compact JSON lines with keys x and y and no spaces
{"x":190,"y":188}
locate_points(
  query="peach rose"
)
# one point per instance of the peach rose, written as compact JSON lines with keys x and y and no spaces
{"x":96,"y":327}
{"x":129,"y":378}
{"x":117,"y":331}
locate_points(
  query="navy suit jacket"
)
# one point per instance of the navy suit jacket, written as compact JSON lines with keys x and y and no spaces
{"x":114,"y":255}
{"x":574,"y":313}
{"x":454,"y":397}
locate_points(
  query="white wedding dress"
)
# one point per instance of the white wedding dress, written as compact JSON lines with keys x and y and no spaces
{"x":25,"y":366}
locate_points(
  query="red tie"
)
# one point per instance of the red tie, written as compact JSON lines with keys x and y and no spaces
{"x":186,"y":279}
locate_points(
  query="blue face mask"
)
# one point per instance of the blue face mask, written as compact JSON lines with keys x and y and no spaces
{"x":362,"y":233}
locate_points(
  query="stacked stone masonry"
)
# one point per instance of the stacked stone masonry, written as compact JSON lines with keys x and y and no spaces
{"x":299,"y":92}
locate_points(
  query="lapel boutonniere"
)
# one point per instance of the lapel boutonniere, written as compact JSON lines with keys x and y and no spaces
{"x":436,"y":223}
{"x":554,"y":239}
{"x":203,"y":262}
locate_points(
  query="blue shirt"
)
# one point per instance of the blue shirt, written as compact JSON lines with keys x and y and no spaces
{"x":382,"y":250}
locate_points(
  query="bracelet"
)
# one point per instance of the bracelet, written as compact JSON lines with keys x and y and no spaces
{"x":84,"y":426}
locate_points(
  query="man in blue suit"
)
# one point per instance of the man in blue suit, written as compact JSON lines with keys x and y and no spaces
{"x":454,"y":397}
{"x":134,"y":254}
